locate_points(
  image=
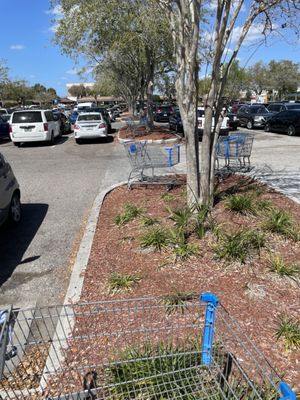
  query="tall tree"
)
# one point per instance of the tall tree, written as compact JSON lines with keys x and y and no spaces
{"x":284,"y":77}
{"x":258,"y":77}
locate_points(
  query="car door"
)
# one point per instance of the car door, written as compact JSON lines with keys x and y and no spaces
{"x":243,"y":116}
{"x":5,"y":193}
{"x":281,"y":121}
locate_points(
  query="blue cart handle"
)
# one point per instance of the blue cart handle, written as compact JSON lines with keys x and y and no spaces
{"x":286,"y":392}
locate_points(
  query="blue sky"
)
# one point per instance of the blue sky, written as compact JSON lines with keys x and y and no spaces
{"x":26,"y":30}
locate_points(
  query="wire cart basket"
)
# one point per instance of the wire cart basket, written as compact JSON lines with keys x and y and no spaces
{"x":144,"y":156}
{"x":133,"y":349}
{"x":235,"y":150}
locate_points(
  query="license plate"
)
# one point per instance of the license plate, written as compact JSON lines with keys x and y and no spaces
{"x":27,"y":129}
{"x":165,"y":115}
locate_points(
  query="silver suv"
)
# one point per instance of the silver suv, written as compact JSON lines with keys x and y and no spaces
{"x":10,"y":195}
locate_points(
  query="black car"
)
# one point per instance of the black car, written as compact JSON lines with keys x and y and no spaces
{"x":232,"y":121}
{"x":284,"y":122}
{"x":278,"y":107}
{"x":253,"y":116}
{"x":4,"y":128}
{"x":162,"y":113}
{"x":175,"y":121}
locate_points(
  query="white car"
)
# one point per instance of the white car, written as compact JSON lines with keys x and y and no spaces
{"x":33,"y":126}
{"x":200,"y":117}
{"x":90,"y":125}
{"x":10,"y":204}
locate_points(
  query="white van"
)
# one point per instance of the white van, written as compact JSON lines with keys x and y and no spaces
{"x":83,"y":107}
{"x":33,"y":126}
{"x":224,"y":131}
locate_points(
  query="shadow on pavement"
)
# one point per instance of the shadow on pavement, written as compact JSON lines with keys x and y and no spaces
{"x":58,"y":141}
{"x":14,"y":240}
{"x":108,"y":139}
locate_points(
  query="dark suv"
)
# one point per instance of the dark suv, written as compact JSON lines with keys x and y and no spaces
{"x":162,"y":113}
{"x":253,"y":116}
{"x":278,"y":107}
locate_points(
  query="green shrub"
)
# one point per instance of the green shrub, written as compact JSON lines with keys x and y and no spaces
{"x":122,"y":282}
{"x":155,"y":237}
{"x":239,"y":245}
{"x":181,"y":217}
{"x":146,"y":220}
{"x":130,"y":212}
{"x":288,"y":330}
{"x":277,"y":265}
{"x":279,"y":221}
{"x":168,"y":197}
{"x":184,"y":251}
{"x":240,"y":203}
{"x":177,"y":301}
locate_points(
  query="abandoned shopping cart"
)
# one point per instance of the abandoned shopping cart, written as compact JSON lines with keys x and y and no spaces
{"x":145,"y":348}
{"x":144,"y":156}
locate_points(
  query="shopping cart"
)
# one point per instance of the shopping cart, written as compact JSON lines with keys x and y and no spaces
{"x":135,"y":349}
{"x":144,"y":156}
{"x":235,"y":150}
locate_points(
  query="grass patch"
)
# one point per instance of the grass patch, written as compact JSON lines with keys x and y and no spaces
{"x":289,"y":331}
{"x":177,"y":301}
{"x":241,"y":203}
{"x":154,"y":237}
{"x":129,"y":213}
{"x":122,"y":282}
{"x":278,"y":266}
{"x":280,"y":222}
{"x":183,"y":250}
{"x":168,"y":197}
{"x":146,"y":220}
{"x":240,"y":245}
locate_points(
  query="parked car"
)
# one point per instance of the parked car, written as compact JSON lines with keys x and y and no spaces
{"x":33,"y":126}
{"x":253,"y":116}
{"x":175,"y":121}
{"x":200,"y":117}
{"x":162,"y":113}
{"x":6,"y":117}
{"x":278,"y":107}
{"x":233,"y":121}
{"x":73,"y":117}
{"x":90,"y":125}
{"x":287,"y":121}
{"x":104,"y":113}
{"x":4,"y":128}
{"x":10,"y":195}
{"x":3,"y":111}
{"x":64,"y":123}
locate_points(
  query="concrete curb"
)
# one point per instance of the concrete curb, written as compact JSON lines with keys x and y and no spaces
{"x":77,"y":277}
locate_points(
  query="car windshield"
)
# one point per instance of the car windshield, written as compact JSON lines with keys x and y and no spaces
{"x":27,"y":116}
{"x":89,"y":117}
{"x":258,"y":110}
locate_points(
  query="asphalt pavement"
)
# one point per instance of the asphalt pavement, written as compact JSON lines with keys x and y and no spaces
{"x":59,"y":184}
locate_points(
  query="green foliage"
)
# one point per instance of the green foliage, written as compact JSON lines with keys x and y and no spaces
{"x":168,"y":197}
{"x":147,"y":220}
{"x":130,"y":212}
{"x":177,"y":301}
{"x":279,"y":221}
{"x":184,"y":250}
{"x":277,"y":265}
{"x":239,"y":245}
{"x":181,"y":217}
{"x":155,"y":237}
{"x":122,"y":282}
{"x":241,"y":203}
{"x":288,"y":330}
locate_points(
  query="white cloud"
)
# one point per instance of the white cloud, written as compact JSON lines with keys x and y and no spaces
{"x":254,"y":35}
{"x":57,"y":11}
{"x":17,"y":47}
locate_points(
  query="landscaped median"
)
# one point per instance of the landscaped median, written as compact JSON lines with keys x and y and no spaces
{"x":246,"y":250}
{"x":157,"y":135}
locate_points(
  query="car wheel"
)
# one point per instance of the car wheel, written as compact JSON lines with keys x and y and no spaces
{"x":15,"y":209}
{"x":249,"y":125}
{"x":291,"y":130}
{"x":18,"y":144}
{"x":267,"y":128}
{"x":78,"y":141}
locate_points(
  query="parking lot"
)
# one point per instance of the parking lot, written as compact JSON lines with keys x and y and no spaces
{"x":59,"y":184}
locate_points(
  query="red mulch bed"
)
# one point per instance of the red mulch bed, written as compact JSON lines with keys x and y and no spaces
{"x":142,"y":133}
{"x":239,"y":286}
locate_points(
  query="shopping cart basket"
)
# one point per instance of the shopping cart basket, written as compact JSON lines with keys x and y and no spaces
{"x":135,"y":349}
{"x":235,"y":150}
{"x":144,"y":156}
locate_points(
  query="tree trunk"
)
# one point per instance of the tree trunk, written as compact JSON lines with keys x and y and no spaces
{"x":149,"y":81}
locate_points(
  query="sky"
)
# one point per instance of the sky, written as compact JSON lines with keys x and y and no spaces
{"x":26,"y":44}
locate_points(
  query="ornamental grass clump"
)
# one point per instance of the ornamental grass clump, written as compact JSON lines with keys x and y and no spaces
{"x":288,"y":329}
{"x":241,"y":203}
{"x":278,"y":266}
{"x":154,"y":237}
{"x":240,"y":245}
{"x":129,"y":213}
{"x":122,"y":282}
{"x":177,"y":301}
{"x":280,"y":222}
